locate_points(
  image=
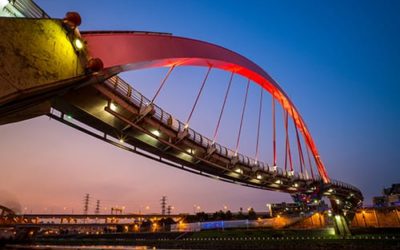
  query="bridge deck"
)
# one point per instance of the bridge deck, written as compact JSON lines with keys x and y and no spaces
{"x":115,"y":112}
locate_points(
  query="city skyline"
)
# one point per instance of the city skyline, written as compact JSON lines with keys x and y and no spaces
{"x":351,"y":117}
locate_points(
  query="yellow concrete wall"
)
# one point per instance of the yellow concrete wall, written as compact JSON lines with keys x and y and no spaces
{"x":34,"y":54}
{"x":370,"y":217}
{"x":317,"y":220}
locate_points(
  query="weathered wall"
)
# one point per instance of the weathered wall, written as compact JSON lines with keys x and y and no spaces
{"x":34,"y":55}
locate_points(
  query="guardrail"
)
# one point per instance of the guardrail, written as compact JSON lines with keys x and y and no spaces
{"x":28,"y":8}
{"x":134,"y":96}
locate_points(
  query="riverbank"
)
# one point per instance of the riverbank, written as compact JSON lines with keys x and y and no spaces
{"x":283,"y":244}
{"x":229,"y":239}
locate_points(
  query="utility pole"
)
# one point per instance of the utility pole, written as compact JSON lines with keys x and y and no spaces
{"x":97,"y":211}
{"x":169,"y":210}
{"x":86,"y":204}
{"x":163,"y":204}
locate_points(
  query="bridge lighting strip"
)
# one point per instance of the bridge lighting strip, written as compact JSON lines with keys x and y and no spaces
{"x":136,"y":150}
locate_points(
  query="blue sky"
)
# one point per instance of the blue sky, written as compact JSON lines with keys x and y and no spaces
{"x":338,"y":61}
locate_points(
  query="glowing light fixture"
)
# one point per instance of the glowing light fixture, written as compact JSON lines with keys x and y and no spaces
{"x":259,"y":177}
{"x":78,"y":43}
{"x":156,"y":132}
{"x":121,"y":140}
{"x":238,"y":170}
{"x":113,"y":107}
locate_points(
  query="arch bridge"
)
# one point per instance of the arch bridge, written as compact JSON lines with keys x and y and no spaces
{"x":95,"y":100}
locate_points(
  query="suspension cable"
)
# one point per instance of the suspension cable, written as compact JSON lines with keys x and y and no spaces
{"x":299,"y":148}
{"x":197,"y":98}
{"x":288,"y":153}
{"x":163,"y":82}
{"x":286,"y":144}
{"x":222,"y":108}
{"x":241,"y":119}
{"x":307,"y":150}
{"x":259,"y":122}
{"x":274,"y":130}
{"x":309,"y":162}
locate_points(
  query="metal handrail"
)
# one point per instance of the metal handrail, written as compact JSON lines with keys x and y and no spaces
{"x":139,"y":100}
{"x":28,"y":8}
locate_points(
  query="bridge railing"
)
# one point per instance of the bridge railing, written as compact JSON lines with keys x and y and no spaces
{"x":28,"y":8}
{"x":134,"y":96}
{"x":345,"y":185}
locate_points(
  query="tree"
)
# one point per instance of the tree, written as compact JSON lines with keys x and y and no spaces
{"x":202,"y":216}
{"x":252,"y":214}
{"x":228,"y":215}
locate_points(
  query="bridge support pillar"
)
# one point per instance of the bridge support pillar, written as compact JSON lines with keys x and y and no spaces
{"x":37,"y":60}
{"x":341,"y":226}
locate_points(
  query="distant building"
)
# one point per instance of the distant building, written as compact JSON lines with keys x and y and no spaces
{"x":390,"y":198}
{"x":295,"y":208}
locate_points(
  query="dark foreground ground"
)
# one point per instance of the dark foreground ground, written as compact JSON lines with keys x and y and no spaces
{"x":229,"y":239}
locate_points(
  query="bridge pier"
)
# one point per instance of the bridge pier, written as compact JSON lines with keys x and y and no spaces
{"x":341,"y":226}
{"x":342,"y":217}
{"x":37,"y":61}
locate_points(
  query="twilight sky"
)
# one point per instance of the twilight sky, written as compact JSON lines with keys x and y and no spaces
{"x":339,"y":62}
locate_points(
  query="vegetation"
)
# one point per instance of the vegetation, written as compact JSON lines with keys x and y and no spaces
{"x":221,"y":215}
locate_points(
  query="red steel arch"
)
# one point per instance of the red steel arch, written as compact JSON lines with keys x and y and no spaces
{"x":124,"y":51}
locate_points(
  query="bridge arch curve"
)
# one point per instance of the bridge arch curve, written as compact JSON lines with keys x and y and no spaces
{"x":125,"y":51}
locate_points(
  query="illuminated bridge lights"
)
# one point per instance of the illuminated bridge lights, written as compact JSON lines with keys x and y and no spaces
{"x":187,"y":52}
{"x":78,"y":44}
{"x":179,"y":142}
{"x":190,"y":151}
{"x":239,"y":170}
{"x":113,"y":107}
{"x":156,"y":132}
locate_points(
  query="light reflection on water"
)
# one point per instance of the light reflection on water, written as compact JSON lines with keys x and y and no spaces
{"x":50,"y":247}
